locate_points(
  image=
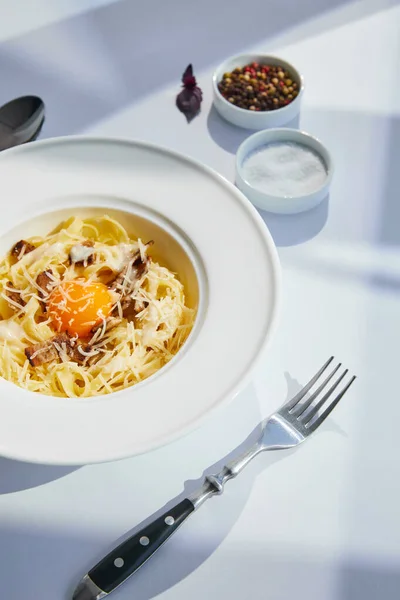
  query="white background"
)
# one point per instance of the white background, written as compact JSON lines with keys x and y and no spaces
{"x":321,"y":522}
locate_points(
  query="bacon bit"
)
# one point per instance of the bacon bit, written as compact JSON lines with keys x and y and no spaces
{"x":21,"y":248}
{"x":140,"y":305}
{"x":55,"y":348}
{"x":42,"y":353}
{"x":77,"y":352}
{"x":127,"y":279}
{"x":14,"y":296}
{"x":81,"y":255}
{"x":129,"y":309}
{"x":45,"y":283}
{"x":130,"y":273}
{"x":110,"y":323}
{"x":88,"y":353}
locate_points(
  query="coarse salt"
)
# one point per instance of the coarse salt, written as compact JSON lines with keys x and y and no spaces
{"x":285,"y":169}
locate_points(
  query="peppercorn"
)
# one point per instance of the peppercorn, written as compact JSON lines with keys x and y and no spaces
{"x":258,"y":87}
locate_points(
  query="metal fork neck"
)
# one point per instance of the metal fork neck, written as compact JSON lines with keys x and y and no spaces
{"x":214,"y":484}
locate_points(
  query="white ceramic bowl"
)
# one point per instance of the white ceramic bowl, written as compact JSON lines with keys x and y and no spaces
{"x":195,"y":218}
{"x":248,"y":118}
{"x":282,"y":204}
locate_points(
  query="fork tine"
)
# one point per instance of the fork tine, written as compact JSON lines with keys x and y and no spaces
{"x":314,"y":410}
{"x":289,"y":405}
{"x":301,"y":408}
{"x":329,"y":409}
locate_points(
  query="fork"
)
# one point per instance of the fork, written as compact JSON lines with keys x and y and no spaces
{"x":289,"y":426}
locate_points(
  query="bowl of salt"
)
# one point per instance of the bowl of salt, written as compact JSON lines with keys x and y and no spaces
{"x":283,"y":170}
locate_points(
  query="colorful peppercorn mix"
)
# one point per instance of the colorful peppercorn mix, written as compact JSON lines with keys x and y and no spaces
{"x":259,"y":87}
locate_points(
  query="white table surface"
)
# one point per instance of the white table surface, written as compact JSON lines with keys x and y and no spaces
{"x":322,"y":522}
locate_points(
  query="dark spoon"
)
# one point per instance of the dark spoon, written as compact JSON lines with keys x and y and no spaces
{"x":20,"y":121}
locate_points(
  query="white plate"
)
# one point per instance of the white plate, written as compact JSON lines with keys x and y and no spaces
{"x":225,"y":243}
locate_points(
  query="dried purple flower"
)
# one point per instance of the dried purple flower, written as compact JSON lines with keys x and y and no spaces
{"x":189,"y":99}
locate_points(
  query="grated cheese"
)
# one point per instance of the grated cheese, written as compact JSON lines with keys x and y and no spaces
{"x":12,"y":302}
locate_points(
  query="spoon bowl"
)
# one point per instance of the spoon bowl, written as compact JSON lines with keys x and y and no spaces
{"x":21,"y":120}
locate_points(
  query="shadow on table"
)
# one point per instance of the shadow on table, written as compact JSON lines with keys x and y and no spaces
{"x":290,"y":230}
{"x":347,"y":274}
{"x":365,"y":208}
{"x":97,"y":63}
{"x":228,"y":136}
{"x":389,"y":219}
{"x":366,"y":581}
{"x":242,"y":572}
{"x":16,"y":476}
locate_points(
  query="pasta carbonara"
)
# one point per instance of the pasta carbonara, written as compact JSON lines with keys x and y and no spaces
{"x":85,"y":311}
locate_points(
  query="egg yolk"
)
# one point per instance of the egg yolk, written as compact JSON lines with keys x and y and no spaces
{"x":77,"y":306}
